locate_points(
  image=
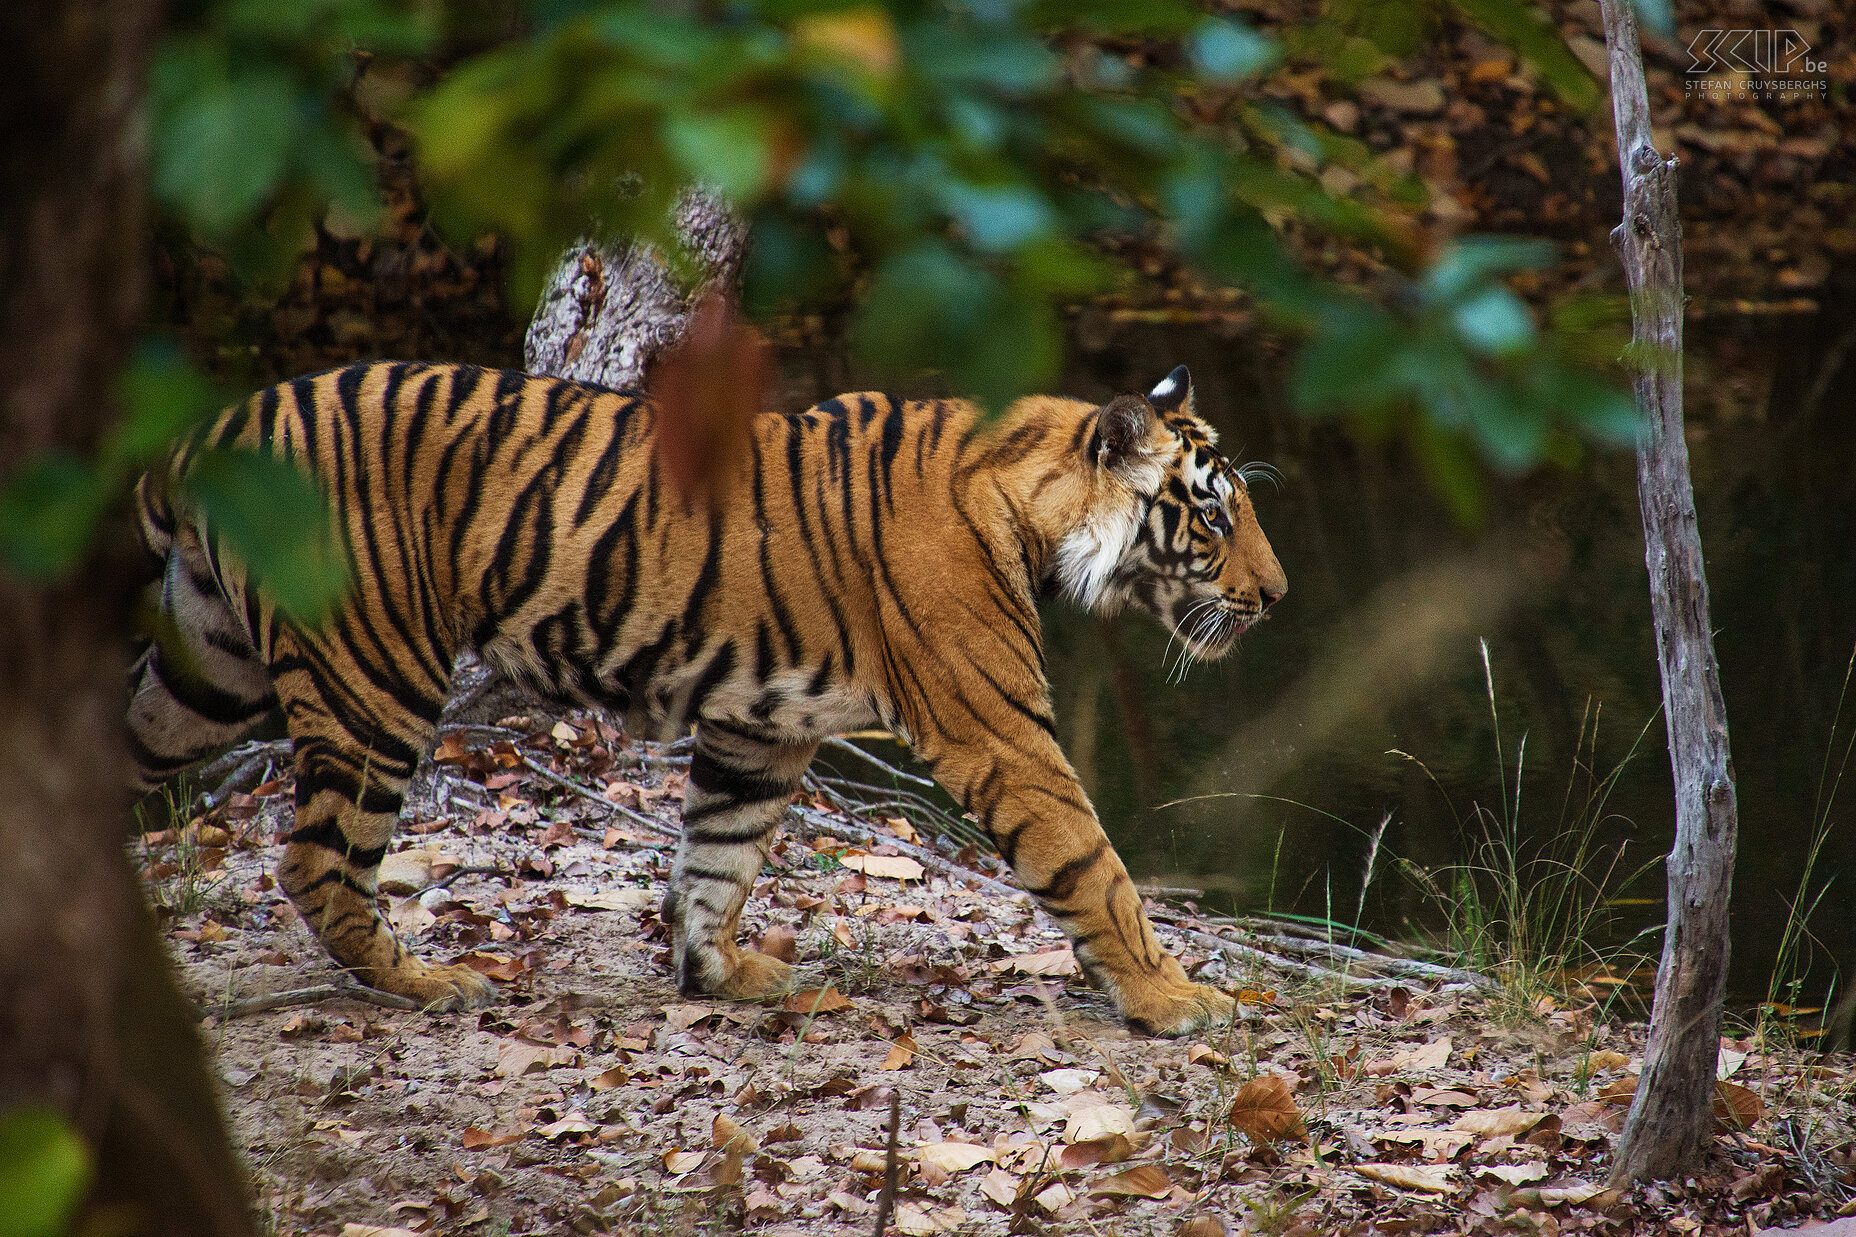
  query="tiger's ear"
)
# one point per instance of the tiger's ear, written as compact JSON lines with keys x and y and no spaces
{"x":1121,"y":431}
{"x":1172,"y":392}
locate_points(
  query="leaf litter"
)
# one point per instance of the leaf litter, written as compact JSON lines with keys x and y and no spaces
{"x":593,"y":1099}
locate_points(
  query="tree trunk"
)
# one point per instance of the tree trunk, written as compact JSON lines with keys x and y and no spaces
{"x":611,"y":309}
{"x":1671,"y":1119}
{"x":91,"y":1024}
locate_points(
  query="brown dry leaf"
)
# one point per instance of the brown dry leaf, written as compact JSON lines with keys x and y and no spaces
{"x":1619,"y":1091}
{"x":707,"y":387}
{"x":493,"y":967}
{"x":1442,"y":1097}
{"x":1142,"y":1181}
{"x":1513,"y":1174}
{"x":575,"y":1122}
{"x":1035,"y":1046}
{"x":376,"y":1230}
{"x":1434,"y":1055}
{"x":919,"y":1219}
{"x":953,"y":1157}
{"x":612,"y":898}
{"x":1206,"y":1055}
{"x":683,"y":1017}
{"x":475,"y":1139}
{"x":407,"y":871}
{"x":1054,"y":1197}
{"x":815,"y":1001}
{"x":1203,"y":1226}
{"x":678,"y":1162}
{"x":1438,"y":1145}
{"x":1558,"y":1193}
{"x":1603,"y":1061}
{"x":1265,"y":1110}
{"x":1736,"y":1106}
{"x":1431,"y":1178}
{"x":1098,"y":1121}
{"x":1111,"y":1150}
{"x":898,"y":827}
{"x":1050,"y":963}
{"x":727,"y":1135}
{"x":779,"y":942}
{"x":515,"y":1058}
{"x":1001,"y":1187}
{"x":410,"y":917}
{"x":1490,"y":1122}
{"x":1069,"y":1081}
{"x":894,"y":867}
{"x":901,"y":1053}
{"x":606,"y":1080}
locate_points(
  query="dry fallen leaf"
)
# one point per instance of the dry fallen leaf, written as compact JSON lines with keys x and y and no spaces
{"x":953,"y":1157}
{"x":1432,"y":1178}
{"x":515,"y":1058}
{"x":1001,"y":1187}
{"x":1049,"y":963}
{"x":677,"y":1161}
{"x":815,"y":1001}
{"x":573,"y":1123}
{"x":1489,"y":1122}
{"x":407,"y":871}
{"x":376,"y":1230}
{"x":1054,"y":1197}
{"x":1069,"y":1081}
{"x":1513,"y":1174}
{"x":1265,"y":1110}
{"x":1203,"y":1226}
{"x":1111,"y":1150}
{"x":1558,"y":1193}
{"x":1736,"y":1106}
{"x":895,"y":867}
{"x":1097,"y":1121}
{"x":475,"y":1139}
{"x":612,"y":898}
{"x":901,"y":1053}
{"x":919,"y":1219}
{"x":1434,"y":1055}
{"x":1143,"y":1181}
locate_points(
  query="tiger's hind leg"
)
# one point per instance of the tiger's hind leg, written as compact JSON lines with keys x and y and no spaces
{"x":351,"y":778}
{"x":201,"y":686}
{"x":739,"y":788}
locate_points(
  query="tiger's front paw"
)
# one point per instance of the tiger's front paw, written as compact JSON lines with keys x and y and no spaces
{"x":1178,"y":1009}
{"x":753,"y":975}
{"x":436,"y":988}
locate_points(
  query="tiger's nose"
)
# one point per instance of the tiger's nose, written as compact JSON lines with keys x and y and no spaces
{"x":1271,"y":596}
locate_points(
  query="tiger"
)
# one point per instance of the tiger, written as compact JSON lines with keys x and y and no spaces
{"x":870,"y":562}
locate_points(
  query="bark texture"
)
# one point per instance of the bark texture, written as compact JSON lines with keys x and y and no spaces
{"x":91,"y":1024}
{"x":611,"y":308}
{"x":1671,"y":1120}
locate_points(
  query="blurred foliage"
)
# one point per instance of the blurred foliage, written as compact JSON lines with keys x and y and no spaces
{"x":44,"y":1171}
{"x":946,"y":167}
{"x":273,"y":516}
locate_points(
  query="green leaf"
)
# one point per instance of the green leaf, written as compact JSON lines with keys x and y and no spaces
{"x":277,"y":522}
{"x":1229,"y":51}
{"x":1495,"y":321}
{"x":163,"y":397}
{"x":221,"y":149}
{"x":1658,"y":15}
{"x":49,"y":511}
{"x":45,"y":1169}
{"x":727,"y":150}
{"x":1539,"y":42}
{"x":1473,"y":260}
{"x":997,"y":218}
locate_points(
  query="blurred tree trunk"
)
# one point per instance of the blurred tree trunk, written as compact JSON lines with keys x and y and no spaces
{"x":1671,"y":1121}
{"x":91,"y":1024}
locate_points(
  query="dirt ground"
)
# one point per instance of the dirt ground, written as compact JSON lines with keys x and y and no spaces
{"x":594,"y":1099}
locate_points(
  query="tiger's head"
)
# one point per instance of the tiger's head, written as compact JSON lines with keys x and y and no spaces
{"x":1170,"y":527}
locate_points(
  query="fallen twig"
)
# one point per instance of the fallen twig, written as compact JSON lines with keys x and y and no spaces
{"x":312,"y":996}
{"x":886,"y":1202}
